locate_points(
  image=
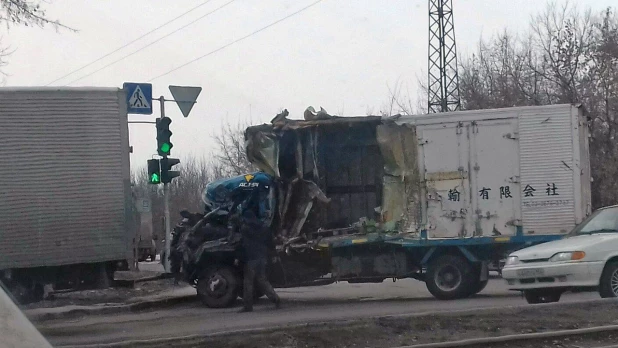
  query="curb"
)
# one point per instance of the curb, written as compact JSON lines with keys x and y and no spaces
{"x":93,"y":310}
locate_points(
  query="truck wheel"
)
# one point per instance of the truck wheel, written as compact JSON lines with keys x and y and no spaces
{"x":218,"y":287}
{"x":450,"y":277}
{"x":609,"y":281}
{"x":542,"y":296}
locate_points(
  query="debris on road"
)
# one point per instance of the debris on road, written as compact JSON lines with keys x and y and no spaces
{"x":116,"y":295}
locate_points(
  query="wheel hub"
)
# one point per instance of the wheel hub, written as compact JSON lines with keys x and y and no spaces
{"x":448,"y":278}
{"x":216,"y":286}
{"x":614,"y":283}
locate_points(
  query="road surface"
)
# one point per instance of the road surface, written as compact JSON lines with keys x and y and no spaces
{"x":336,"y":302}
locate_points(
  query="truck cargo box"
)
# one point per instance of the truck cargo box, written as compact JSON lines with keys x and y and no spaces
{"x":65,"y":182}
{"x":501,"y":172}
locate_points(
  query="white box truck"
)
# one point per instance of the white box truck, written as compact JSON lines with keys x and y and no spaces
{"x":66,"y":211}
{"x":439,"y":198}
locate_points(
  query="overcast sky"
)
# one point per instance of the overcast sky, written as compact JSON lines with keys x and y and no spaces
{"x":339,"y":54}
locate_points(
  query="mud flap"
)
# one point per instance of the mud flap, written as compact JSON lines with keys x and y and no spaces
{"x":484,"y":271}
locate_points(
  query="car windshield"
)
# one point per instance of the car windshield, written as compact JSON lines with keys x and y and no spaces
{"x":602,"y":221}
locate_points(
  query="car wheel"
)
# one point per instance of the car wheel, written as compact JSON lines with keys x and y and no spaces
{"x":542,"y":296}
{"x":218,"y":287}
{"x":609,"y":281}
{"x":450,"y":277}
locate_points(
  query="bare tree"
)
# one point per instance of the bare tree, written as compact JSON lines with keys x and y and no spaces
{"x":232,"y":156}
{"x":563,"y":36}
{"x":399,"y":102}
{"x":26,"y":13}
{"x":568,"y":57}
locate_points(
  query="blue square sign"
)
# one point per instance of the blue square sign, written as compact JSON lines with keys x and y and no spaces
{"x":139,"y":98}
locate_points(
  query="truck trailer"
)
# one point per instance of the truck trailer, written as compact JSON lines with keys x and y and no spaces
{"x":439,"y":198}
{"x":66,"y":210}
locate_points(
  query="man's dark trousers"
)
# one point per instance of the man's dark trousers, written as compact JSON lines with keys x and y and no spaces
{"x":255,"y":273}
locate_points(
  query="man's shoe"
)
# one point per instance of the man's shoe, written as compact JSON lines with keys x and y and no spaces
{"x":245,"y":310}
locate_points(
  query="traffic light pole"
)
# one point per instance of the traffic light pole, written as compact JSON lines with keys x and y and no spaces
{"x":166,"y":208}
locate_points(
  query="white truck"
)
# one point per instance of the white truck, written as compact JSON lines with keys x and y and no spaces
{"x":439,"y":198}
{"x":66,"y":212}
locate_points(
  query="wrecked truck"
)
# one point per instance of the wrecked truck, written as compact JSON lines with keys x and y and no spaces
{"x":439,"y":198}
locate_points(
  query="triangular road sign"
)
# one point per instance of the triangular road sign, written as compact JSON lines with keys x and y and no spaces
{"x":138,"y":100}
{"x":185,"y":97}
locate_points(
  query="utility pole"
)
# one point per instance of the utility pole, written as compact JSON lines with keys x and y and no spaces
{"x":166,"y":206}
{"x":139,"y":101}
{"x":443,"y":82}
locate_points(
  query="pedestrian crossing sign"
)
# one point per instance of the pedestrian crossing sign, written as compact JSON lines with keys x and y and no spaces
{"x":139,"y":98}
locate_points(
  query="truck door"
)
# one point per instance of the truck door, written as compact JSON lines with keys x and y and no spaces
{"x":444,"y":166}
{"x":495,"y":180}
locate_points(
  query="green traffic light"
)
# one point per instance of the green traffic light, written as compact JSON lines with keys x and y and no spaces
{"x":155,"y":179}
{"x":165,"y":147}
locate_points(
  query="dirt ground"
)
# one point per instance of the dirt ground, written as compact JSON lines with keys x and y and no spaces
{"x":115,"y":295}
{"x":583,"y":341}
{"x":403,"y":331}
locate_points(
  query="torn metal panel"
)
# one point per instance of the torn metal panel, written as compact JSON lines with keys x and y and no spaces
{"x":287,"y":124}
{"x":336,"y":157}
{"x":262,"y":150}
{"x":297,"y":206}
{"x":401,"y":182}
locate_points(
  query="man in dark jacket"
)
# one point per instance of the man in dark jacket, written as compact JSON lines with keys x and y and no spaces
{"x":257,"y":241}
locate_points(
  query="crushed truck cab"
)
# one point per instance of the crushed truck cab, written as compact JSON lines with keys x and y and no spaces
{"x":440,"y":198}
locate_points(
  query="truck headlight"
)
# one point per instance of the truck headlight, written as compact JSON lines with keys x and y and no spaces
{"x":511,"y":260}
{"x":568,"y":256}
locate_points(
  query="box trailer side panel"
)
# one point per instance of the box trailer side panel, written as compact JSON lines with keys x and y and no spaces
{"x":515,"y":171}
{"x":65,"y":185}
{"x":469,"y":173}
{"x":552,"y":177}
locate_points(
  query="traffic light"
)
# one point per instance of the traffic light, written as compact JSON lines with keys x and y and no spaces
{"x":164,"y":145}
{"x":166,"y":174}
{"x":154,"y":172}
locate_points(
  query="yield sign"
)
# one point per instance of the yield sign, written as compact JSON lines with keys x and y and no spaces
{"x":185,"y":97}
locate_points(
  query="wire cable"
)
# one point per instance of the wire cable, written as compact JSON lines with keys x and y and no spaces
{"x":130,"y":42}
{"x":151,"y":43}
{"x":236,"y":41}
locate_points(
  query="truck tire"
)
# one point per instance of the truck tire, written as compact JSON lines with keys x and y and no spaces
{"x":542,"y":296}
{"x":450,"y":277}
{"x":219,"y":287}
{"x":609,"y":281}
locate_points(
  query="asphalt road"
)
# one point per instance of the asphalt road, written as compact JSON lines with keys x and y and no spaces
{"x":336,"y":302}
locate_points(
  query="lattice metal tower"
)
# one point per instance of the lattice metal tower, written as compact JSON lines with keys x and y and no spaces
{"x":443,"y":84}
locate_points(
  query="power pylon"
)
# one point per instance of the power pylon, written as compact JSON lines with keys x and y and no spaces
{"x":443,"y":83}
